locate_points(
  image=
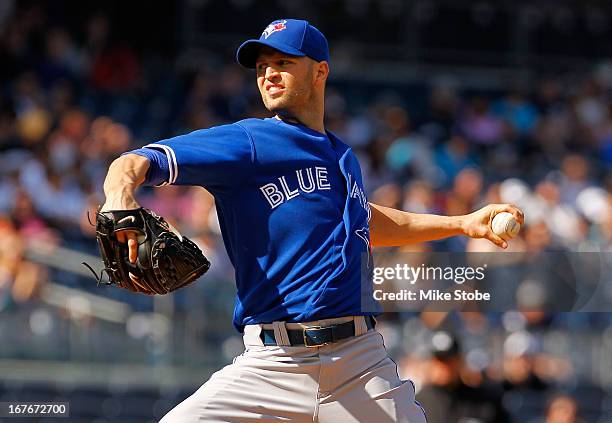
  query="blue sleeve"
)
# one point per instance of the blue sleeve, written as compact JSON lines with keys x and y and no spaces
{"x":217,"y":158}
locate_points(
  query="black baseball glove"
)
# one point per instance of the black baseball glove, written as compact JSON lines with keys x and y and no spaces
{"x":166,"y":260}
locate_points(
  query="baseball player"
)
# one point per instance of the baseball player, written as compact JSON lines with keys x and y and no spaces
{"x":296,"y":224}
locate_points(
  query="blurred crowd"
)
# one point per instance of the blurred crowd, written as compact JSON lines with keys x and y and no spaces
{"x":70,"y":103}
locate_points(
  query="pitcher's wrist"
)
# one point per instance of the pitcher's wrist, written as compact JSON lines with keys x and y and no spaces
{"x":121,"y":200}
{"x":459,"y":224}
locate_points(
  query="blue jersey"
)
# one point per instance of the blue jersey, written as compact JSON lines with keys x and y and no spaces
{"x":292,"y":210}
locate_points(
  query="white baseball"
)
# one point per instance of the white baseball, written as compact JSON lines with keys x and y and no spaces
{"x":505,"y":225}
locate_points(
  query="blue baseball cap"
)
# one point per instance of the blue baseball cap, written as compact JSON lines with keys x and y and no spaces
{"x":291,"y":36}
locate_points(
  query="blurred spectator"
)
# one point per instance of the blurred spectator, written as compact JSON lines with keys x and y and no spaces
{"x":465,"y":194}
{"x":19,"y":279}
{"x":409,"y":154}
{"x":452,"y":157}
{"x":520,"y":350}
{"x":574,"y":178}
{"x":561,"y":409}
{"x":518,"y":111}
{"x":114,"y":67}
{"x":480,"y":125}
{"x":452,"y":392}
{"x":389,"y":195}
{"x":561,"y":219}
{"x":419,"y":198}
{"x":443,"y":104}
{"x":63,"y":61}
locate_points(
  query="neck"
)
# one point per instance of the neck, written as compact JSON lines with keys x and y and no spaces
{"x":311,"y":117}
{"x":319,"y":127}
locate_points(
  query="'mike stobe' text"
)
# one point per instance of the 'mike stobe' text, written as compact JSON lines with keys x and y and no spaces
{"x":431,"y":295}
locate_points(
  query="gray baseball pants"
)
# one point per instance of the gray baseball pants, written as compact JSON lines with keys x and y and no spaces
{"x":353,"y":380}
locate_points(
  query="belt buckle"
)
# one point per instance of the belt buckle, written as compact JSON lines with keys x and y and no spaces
{"x":305,"y":338}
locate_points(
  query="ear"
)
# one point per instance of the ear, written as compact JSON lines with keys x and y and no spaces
{"x":321,"y":72}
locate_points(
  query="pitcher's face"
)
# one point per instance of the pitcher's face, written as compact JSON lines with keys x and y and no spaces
{"x":285,"y":82}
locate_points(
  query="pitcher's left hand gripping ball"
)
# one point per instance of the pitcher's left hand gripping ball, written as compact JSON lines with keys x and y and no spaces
{"x":166,"y":260}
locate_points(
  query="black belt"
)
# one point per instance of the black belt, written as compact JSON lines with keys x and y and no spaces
{"x":315,"y":336}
